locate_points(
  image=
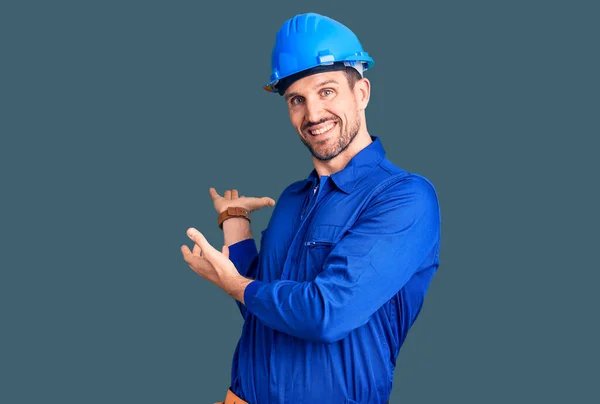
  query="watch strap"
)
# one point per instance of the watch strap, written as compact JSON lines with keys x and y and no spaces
{"x":232,"y":212}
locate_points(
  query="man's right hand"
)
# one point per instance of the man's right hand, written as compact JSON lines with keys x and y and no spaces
{"x":231,"y":198}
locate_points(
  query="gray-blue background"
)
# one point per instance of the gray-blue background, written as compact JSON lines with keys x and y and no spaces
{"x":117,"y":116}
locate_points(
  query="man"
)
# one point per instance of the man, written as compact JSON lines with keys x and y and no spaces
{"x":348,"y":253}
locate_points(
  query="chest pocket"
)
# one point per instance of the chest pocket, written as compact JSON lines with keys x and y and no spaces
{"x":318,"y":245}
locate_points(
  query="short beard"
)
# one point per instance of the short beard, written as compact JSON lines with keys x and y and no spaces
{"x":346,"y":137}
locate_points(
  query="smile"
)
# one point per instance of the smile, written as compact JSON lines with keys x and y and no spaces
{"x":322,"y":130}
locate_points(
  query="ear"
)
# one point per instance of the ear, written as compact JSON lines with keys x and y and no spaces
{"x":362,"y":92}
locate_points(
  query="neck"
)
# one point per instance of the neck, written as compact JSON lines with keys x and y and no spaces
{"x":339,"y":162}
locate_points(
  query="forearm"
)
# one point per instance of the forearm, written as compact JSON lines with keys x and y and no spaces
{"x":242,"y":253}
{"x":235,"y":286}
{"x":308,"y":311}
{"x":235,"y":230}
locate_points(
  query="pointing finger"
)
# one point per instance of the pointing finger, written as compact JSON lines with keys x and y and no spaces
{"x":234,"y":194}
{"x":187,"y":254}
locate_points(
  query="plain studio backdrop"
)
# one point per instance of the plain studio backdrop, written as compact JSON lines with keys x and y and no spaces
{"x":117,"y":116}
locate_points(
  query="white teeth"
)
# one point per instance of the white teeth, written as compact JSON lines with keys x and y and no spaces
{"x":323,"y":130}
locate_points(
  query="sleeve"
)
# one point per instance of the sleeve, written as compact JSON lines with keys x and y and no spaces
{"x":391,"y":240}
{"x":244,"y":256}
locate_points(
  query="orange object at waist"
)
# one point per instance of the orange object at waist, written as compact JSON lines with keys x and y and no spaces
{"x":231,"y":398}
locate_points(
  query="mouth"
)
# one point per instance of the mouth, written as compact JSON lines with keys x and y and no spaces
{"x":322,"y":130}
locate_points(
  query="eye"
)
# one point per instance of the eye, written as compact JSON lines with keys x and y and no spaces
{"x":296,"y":100}
{"x":326,"y":92}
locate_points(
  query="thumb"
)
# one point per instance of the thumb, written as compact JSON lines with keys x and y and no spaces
{"x":225,"y":251}
{"x":258,"y":203}
{"x":199,"y":239}
{"x":268,"y":201}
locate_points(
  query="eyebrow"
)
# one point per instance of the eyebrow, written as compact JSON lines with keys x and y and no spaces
{"x":318,"y":85}
{"x":330,"y":81}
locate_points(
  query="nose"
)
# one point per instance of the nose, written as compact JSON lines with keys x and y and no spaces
{"x":314,"y":111}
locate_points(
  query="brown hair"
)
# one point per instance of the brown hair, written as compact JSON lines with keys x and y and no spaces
{"x":352,"y":75}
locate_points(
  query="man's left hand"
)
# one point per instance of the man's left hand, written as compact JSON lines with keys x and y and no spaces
{"x":214,"y":266}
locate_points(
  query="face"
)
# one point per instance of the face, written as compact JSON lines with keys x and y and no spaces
{"x":325,"y":112}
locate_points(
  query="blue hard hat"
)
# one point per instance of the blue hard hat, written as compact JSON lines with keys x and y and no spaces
{"x":309,"y":40}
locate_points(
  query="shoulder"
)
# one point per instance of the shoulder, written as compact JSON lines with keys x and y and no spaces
{"x":398,"y":179}
{"x":405,"y":188}
{"x":412,"y":183}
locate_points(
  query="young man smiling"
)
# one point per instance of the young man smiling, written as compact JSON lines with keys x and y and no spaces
{"x":328,"y":111}
{"x":349,"y":252}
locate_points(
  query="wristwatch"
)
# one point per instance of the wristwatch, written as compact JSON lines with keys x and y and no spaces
{"x":232,"y":212}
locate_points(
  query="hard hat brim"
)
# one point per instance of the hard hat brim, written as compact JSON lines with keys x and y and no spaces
{"x":272,"y":86}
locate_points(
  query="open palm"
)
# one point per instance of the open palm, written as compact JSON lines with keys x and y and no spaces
{"x":231,"y":198}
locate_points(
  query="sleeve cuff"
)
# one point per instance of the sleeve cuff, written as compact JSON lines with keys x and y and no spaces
{"x":250,"y":292}
{"x":242,"y":249}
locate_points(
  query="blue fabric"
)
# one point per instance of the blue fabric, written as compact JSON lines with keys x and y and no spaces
{"x":341,"y":275}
